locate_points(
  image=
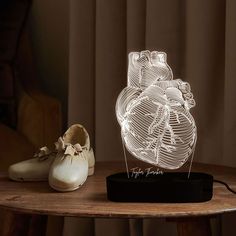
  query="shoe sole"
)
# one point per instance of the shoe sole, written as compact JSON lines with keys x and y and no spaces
{"x":66,"y":189}
{"x":90,"y":172}
{"x":27,"y":180}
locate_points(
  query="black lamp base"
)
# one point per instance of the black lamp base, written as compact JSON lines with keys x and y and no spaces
{"x":169,"y":187}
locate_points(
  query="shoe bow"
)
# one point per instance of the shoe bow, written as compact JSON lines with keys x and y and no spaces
{"x":68,"y":148}
{"x":43,"y":153}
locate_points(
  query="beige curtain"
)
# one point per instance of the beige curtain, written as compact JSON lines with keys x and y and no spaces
{"x":199,"y":37}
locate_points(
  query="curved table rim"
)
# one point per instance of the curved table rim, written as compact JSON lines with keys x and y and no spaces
{"x":90,"y":200}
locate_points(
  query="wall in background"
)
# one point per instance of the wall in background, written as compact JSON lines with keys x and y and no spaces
{"x":49,"y":26}
{"x":49,"y":31}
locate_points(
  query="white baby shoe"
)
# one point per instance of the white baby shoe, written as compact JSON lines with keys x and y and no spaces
{"x":74,"y":161}
{"x":37,"y":168}
{"x":34,"y":169}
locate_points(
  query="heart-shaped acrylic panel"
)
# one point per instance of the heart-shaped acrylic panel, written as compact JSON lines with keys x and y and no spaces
{"x":154,"y":116}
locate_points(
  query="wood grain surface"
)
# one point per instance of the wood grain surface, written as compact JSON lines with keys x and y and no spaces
{"x":91,"y":200}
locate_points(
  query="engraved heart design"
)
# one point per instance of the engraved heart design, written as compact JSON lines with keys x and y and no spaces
{"x":153,"y":112}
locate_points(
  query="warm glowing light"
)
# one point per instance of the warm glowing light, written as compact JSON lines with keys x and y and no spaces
{"x":153,"y":112}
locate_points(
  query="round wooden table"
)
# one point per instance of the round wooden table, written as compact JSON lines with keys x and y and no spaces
{"x":31,"y":203}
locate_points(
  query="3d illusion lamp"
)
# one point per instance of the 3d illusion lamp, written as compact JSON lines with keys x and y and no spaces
{"x":157,"y":128}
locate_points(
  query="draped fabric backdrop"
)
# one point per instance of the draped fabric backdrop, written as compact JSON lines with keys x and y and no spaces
{"x":199,"y":38}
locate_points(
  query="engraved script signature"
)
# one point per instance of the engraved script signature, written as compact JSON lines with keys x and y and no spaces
{"x":137,"y":171}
